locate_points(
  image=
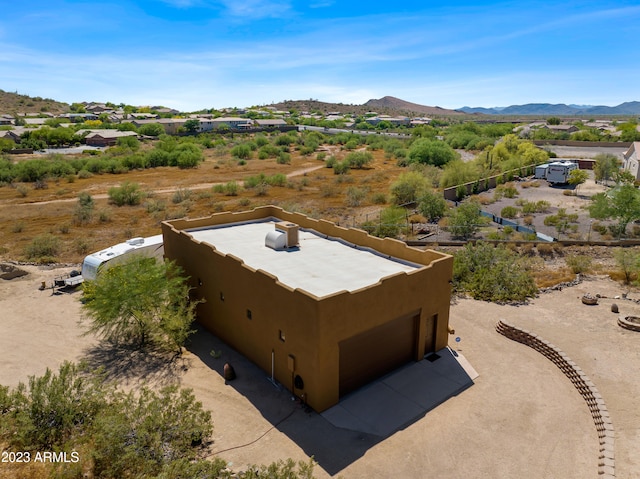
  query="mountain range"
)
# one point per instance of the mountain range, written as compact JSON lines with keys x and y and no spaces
{"x":627,"y":108}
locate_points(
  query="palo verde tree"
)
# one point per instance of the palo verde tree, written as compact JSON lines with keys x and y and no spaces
{"x":605,"y":167}
{"x":622,"y":203}
{"x":140,"y":300}
{"x":577,"y":177}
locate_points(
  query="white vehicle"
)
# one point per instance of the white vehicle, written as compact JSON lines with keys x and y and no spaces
{"x":558,"y":172}
{"x":152,"y":247}
{"x":541,"y":171}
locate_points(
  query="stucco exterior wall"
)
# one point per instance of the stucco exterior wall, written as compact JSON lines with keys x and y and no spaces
{"x":295,"y":328}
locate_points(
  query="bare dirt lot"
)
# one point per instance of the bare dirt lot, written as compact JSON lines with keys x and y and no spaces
{"x":522,"y":417}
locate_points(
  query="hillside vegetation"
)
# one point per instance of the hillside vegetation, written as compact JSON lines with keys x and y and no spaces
{"x":11,"y":103}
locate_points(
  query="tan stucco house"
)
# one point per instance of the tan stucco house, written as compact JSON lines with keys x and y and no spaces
{"x":321,"y":308}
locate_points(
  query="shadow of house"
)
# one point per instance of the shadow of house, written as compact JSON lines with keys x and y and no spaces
{"x":342,"y":434}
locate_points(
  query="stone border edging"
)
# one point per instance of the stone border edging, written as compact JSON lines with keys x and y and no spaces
{"x":631,"y":326}
{"x":599,"y":412}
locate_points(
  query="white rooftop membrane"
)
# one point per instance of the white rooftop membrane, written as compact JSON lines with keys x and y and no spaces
{"x":320,"y":266}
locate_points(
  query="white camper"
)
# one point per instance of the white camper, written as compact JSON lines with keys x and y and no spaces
{"x":558,"y":171}
{"x":541,"y":171}
{"x":152,"y":247}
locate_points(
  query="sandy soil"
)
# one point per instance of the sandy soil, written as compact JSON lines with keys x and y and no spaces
{"x":522,"y":417}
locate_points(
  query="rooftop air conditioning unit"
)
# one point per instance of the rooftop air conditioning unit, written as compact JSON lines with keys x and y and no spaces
{"x":285,"y":236}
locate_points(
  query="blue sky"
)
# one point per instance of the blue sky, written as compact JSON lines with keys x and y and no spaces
{"x":194,"y":54}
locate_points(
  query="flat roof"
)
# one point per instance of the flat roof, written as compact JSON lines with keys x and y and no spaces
{"x":321,"y":265}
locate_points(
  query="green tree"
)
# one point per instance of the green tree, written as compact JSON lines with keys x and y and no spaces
{"x":151,"y":129}
{"x":605,"y":166}
{"x":577,"y":177}
{"x":141,"y":432}
{"x":359,"y":159}
{"x":432,"y":205}
{"x":192,"y":125}
{"x":554,"y":120}
{"x":431,"y":152}
{"x":409,"y":187}
{"x":130,"y":142}
{"x":465,"y":220}
{"x":492,"y":274}
{"x":621,"y":203}
{"x":140,"y":300}
{"x":628,"y":261}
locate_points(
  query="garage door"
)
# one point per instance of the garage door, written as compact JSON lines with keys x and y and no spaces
{"x":377,"y":352}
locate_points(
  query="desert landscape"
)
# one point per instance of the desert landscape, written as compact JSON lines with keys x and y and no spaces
{"x":522,"y":417}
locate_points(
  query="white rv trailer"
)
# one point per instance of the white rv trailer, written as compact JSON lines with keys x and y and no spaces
{"x":152,"y":247}
{"x":541,"y":171}
{"x":558,"y":172}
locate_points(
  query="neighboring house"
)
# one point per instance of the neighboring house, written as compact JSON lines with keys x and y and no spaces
{"x":394,"y":120}
{"x":104,"y":137}
{"x":232,"y":122}
{"x":35,"y":121}
{"x":271,"y":123}
{"x":561,"y":128}
{"x":631,"y":162}
{"x":10,"y":135}
{"x":170,"y":125}
{"x":143,"y":116}
{"x":6,"y":120}
{"x":323,"y":309}
{"x":79,"y":117}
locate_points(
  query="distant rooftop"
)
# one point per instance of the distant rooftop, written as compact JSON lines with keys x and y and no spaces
{"x":321,"y":265}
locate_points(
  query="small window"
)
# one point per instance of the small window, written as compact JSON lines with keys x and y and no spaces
{"x":221,"y":296}
{"x":249,"y":314}
{"x":281,"y":335}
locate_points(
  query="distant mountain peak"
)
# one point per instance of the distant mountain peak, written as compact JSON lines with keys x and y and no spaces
{"x":627,"y":108}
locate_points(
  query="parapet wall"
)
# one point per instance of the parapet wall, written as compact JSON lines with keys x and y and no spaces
{"x":599,"y":412}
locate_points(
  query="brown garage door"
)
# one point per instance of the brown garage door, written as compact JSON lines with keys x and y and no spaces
{"x":377,"y":352}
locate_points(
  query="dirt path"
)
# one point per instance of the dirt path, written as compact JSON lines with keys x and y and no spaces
{"x":162,"y":191}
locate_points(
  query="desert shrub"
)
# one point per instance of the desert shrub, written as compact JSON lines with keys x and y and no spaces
{"x":84,"y":174}
{"x":578,"y":263}
{"x":17,"y":227}
{"x":507,"y":190}
{"x":492,"y":274}
{"x":126,"y":194}
{"x":359,"y":159}
{"x":22,"y":190}
{"x":341,"y":167}
{"x":355,"y":196}
{"x":545,"y":249}
{"x":509,"y":212}
{"x":83,"y":212}
{"x":242,"y":151}
{"x":528,"y":220}
{"x":231,"y":188}
{"x":104,"y":216}
{"x":379,"y":198}
{"x":43,"y":248}
{"x":328,"y":191}
{"x":284,"y":158}
{"x":180,"y":195}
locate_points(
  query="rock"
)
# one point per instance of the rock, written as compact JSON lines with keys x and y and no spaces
{"x":229,"y":372}
{"x":614,"y":308}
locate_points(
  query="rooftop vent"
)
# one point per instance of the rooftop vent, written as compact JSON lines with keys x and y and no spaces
{"x":285,"y":236}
